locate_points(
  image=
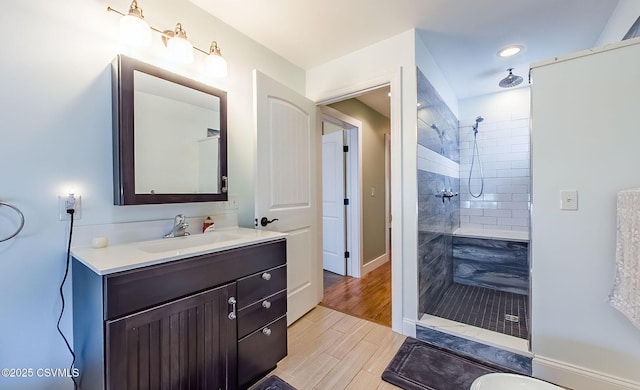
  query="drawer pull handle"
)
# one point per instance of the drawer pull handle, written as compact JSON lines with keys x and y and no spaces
{"x":266,"y":276}
{"x":232,"y":301}
{"x":266,"y":332}
{"x":266,"y":304}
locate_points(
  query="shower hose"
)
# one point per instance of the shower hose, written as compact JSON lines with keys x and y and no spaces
{"x":476,"y":154}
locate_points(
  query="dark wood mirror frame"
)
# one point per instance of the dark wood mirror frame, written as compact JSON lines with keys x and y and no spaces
{"x":123,"y":134}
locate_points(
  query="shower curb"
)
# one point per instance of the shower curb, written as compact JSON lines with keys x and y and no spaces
{"x":501,"y":357}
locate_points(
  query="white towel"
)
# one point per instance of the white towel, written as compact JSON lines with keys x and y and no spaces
{"x":625,"y":295}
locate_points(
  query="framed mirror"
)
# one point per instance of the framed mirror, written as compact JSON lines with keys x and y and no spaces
{"x":169,"y":136}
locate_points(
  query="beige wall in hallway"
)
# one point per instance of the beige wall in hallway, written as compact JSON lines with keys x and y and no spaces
{"x":374,"y":126}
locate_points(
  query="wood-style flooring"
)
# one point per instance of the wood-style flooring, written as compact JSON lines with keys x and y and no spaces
{"x":368,"y":297}
{"x":332,"y":350}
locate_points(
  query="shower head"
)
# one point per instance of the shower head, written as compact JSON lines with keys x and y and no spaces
{"x":511,"y":80}
{"x":437,"y":129}
{"x":479,"y":119}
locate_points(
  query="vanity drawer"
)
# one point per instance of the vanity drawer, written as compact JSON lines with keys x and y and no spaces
{"x":260,"y":285}
{"x":261,"y":351}
{"x":261,"y":313}
{"x":131,"y":291}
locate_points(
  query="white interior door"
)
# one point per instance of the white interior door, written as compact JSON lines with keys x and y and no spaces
{"x":287,"y":180}
{"x":333,"y":227}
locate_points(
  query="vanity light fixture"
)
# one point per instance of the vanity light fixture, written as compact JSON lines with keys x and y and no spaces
{"x":133,"y":28}
{"x":510,"y":51}
{"x":216,"y":64}
{"x":135,"y":31}
{"x":180,"y":49}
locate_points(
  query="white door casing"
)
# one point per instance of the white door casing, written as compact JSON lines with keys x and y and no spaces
{"x":333,"y":223}
{"x":287,"y":184}
{"x":353,"y":185}
{"x":404,"y":301}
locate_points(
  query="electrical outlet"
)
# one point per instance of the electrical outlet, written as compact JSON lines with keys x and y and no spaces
{"x":63,"y":203}
{"x":569,"y":199}
{"x":233,"y":202}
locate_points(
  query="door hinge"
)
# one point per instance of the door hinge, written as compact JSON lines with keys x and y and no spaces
{"x":345,"y":148}
{"x":346,"y":254}
{"x":346,"y":202}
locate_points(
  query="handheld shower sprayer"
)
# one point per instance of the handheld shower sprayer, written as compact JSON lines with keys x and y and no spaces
{"x":440,"y":136}
{"x":475,"y":155}
{"x":475,"y":127}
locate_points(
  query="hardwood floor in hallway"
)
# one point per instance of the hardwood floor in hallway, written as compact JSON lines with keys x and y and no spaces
{"x":331,"y":350}
{"x":368,"y":297}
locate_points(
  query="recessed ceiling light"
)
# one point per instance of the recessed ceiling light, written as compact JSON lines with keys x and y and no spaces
{"x":510,"y":51}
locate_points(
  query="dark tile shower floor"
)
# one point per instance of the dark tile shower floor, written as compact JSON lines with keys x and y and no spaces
{"x":485,"y":308}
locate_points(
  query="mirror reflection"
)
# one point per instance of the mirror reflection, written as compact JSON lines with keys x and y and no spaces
{"x":177,"y":138}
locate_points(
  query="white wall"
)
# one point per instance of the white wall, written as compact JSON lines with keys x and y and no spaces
{"x":585,"y":137}
{"x":625,"y":14}
{"x":55,"y":135}
{"x":428,"y":66}
{"x":503,"y":143}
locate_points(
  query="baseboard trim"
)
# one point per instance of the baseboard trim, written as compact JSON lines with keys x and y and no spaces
{"x":373,"y":264}
{"x":576,"y":377}
{"x":408,"y":327}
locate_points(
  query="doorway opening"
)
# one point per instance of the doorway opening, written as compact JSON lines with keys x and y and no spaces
{"x":356,"y":205}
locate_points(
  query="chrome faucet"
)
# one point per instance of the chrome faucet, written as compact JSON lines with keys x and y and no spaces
{"x":180,"y":226}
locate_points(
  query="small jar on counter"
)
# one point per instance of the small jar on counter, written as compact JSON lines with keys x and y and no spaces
{"x":208,"y":224}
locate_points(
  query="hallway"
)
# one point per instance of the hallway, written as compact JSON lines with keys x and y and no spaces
{"x":368,"y":297}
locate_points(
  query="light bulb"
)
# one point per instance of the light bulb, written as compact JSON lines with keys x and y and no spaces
{"x":180,"y":50}
{"x":510,"y":51}
{"x":216,"y":64}
{"x":134,"y":30}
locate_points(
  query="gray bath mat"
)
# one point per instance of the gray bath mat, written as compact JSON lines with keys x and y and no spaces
{"x":419,"y":365}
{"x":272,"y":383}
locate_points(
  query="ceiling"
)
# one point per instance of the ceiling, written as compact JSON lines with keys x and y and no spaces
{"x":462,"y":35}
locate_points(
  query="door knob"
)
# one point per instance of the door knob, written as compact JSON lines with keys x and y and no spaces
{"x":264,"y":221}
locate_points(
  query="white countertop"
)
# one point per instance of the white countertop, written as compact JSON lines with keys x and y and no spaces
{"x":123,"y":257}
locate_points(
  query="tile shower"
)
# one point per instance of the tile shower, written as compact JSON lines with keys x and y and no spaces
{"x":468,"y":271}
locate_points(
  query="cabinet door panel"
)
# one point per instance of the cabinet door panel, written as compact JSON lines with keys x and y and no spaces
{"x":188,"y":343}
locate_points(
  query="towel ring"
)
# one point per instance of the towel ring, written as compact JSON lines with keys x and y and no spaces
{"x":17,"y":210}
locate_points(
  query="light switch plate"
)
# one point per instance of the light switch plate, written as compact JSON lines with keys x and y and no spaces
{"x":569,"y":200}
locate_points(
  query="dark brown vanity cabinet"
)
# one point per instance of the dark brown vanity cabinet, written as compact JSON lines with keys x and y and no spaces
{"x":216,"y":321}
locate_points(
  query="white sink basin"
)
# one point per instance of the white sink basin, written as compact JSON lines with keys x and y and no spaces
{"x":177,"y":243}
{"x":123,"y":257}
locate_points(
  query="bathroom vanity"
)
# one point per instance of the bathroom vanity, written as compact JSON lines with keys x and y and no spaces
{"x":197,"y":312}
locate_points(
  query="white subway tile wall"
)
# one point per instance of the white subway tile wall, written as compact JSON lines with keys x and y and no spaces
{"x":430,"y":161}
{"x":503,"y":143}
